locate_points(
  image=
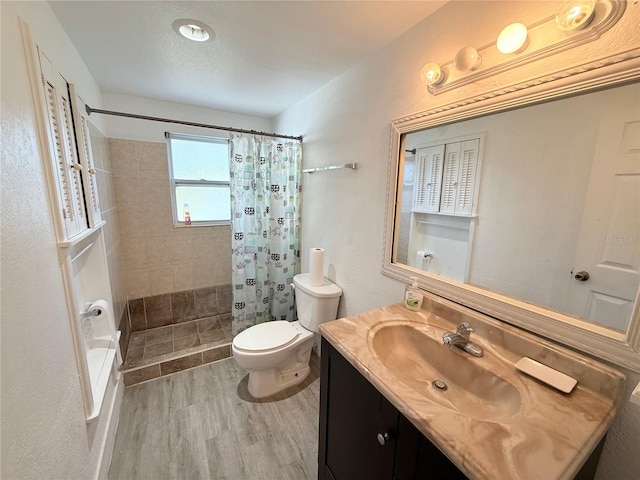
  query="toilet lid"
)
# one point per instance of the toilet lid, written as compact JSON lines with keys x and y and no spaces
{"x":266,"y":336}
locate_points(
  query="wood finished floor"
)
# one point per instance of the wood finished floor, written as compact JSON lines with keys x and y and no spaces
{"x":203,"y":424}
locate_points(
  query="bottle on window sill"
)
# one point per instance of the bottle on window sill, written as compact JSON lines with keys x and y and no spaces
{"x":187,"y":215}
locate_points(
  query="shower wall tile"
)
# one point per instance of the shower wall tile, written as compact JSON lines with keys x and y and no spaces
{"x":206,"y":301}
{"x":152,"y":159}
{"x":183,"y":306}
{"x":161,"y":279}
{"x":138,"y":315}
{"x":125,"y":329}
{"x":123,"y":156}
{"x":135,"y":252}
{"x":225,"y":297}
{"x":157,"y":257}
{"x":158,"y":310}
{"x":138,"y":282}
{"x":183,"y":275}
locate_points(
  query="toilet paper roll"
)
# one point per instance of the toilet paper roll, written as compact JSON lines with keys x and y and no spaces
{"x":103,"y":324}
{"x":316,"y":266}
{"x":420,"y":258}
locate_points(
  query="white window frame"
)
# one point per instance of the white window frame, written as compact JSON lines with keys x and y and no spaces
{"x":174,"y":182}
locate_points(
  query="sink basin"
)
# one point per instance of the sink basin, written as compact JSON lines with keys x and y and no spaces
{"x":416,"y":359}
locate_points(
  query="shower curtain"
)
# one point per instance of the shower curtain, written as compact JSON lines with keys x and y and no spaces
{"x":265,"y":228}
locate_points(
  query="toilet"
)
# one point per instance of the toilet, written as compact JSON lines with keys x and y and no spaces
{"x":277,"y":353}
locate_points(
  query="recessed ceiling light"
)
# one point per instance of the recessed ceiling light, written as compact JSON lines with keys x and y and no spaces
{"x":193,"y":30}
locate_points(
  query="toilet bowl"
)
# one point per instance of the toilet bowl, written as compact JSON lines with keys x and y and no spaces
{"x":277,"y":353}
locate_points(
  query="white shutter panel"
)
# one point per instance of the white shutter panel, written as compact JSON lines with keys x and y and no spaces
{"x":62,"y":146}
{"x":428,"y":179}
{"x":83,"y":139}
{"x":450,"y":178}
{"x":467,"y":176}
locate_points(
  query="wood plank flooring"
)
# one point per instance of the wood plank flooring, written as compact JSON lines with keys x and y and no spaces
{"x":203,"y":424}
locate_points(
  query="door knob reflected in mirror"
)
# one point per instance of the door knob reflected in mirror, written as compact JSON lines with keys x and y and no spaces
{"x":582,"y":276}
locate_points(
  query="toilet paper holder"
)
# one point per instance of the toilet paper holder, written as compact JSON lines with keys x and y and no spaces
{"x":91,"y":313}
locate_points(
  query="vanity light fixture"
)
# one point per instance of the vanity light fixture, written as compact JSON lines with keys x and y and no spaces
{"x":467,"y":59}
{"x":520,"y":44}
{"x":575,"y":15}
{"x":432,"y":74}
{"x":193,"y":30}
{"x":513,"y":39}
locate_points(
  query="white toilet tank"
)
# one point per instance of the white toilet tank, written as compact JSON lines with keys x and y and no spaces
{"x":315,"y":305}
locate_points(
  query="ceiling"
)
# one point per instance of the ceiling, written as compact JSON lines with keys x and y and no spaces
{"x":265,"y":57}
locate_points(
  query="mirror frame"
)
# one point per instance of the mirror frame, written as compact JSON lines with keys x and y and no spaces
{"x":622,"y":349}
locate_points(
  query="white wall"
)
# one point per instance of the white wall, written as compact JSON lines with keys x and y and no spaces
{"x":44,"y":434}
{"x":348,"y":120}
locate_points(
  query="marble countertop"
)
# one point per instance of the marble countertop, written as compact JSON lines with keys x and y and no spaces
{"x":546,"y":435}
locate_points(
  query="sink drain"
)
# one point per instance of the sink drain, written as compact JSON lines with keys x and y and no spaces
{"x":439,"y":384}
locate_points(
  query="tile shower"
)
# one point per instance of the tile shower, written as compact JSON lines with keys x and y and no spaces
{"x":176,"y":279}
{"x":173,"y":332}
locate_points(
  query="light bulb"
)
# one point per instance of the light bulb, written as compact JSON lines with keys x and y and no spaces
{"x":432,"y":74}
{"x":575,"y":15}
{"x":467,"y":59}
{"x":193,"y":30}
{"x":513,"y":39}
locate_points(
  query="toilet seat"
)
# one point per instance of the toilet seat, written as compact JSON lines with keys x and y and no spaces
{"x":266,"y":336}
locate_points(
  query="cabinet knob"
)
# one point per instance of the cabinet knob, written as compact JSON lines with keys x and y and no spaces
{"x":383,"y":438}
{"x":92,"y":171}
{"x":76,"y":166}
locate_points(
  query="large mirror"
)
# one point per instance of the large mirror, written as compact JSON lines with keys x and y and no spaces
{"x":531,"y":214}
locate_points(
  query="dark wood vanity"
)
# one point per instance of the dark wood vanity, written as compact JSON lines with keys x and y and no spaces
{"x":362,"y":436}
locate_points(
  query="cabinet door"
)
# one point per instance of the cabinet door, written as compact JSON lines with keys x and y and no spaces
{"x":459,"y":177}
{"x":83,"y":139}
{"x":66,"y":168}
{"x":355,"y":414}
{"x":428,"y":183}
{"x":418,"y":459}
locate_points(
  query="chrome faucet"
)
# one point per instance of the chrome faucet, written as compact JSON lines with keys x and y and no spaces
{"x":461,"y":340}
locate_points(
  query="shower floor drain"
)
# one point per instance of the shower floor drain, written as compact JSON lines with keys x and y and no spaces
{"x":439,"y":385}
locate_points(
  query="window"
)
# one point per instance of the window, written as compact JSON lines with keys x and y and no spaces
{"x":199,"y":171}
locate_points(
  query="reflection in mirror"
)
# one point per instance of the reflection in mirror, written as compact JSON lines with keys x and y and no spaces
{"x":540,"y":203}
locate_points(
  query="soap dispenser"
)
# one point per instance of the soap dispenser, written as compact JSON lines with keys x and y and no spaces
{"x":412,"y":296}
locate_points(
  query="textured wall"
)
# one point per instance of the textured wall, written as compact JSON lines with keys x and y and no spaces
{"x":348,"y":120}
{"x":44,"y":433}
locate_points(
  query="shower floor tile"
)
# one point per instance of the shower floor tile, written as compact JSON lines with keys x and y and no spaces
{"x":173,"y":342}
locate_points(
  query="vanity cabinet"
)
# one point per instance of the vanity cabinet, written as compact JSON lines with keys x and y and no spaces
{"x":363,"y":436}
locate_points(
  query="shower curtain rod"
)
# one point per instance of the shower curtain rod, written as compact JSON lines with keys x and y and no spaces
{"x":191,"y":124}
